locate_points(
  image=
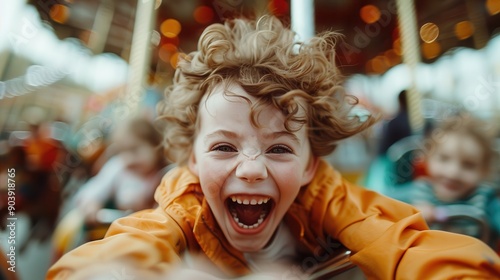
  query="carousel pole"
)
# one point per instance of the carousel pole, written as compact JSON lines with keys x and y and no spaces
{"x":139,"y":59}
{"x":102,"y":25}
{"x":411,"y":57}
{"x":302,"y":15}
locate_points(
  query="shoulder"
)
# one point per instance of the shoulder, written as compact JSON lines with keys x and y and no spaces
{"x":179,"y":196}
{"x":485,"y":190}
{"x":325,"y":183}
{"x":175,"y":184}
{"x":481,"y":196}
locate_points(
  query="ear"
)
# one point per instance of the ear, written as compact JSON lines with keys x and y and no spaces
{"x":310,"y":171}
{"x":192,"y":164}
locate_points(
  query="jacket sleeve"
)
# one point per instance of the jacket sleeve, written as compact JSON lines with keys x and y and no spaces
{"x":391,"y":240}
{"x":142,"y":244}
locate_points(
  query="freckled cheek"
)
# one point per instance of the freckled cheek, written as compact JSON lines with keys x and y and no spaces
{"x":288,"y":178}
{"x":211,"y":190}
{"x":212,"y":179}
{"x":472,"y":179}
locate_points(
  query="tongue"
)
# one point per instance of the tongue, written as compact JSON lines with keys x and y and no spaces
{"x":248,"y":214}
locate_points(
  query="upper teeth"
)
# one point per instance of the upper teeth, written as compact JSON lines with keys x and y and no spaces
{"x":252,"y":201}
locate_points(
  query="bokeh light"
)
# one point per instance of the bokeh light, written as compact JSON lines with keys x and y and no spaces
{"x":431,"y":50}
{"x":170,"y":28}
{"x":167,"y":40}
{"x":369,"y":14}
{"x":393,"y":57}
{"x":175,"y":58}
{"x":157,"y":4}
{"x":429,"y":32}
{"x":203,"y":15}
{"x":278,"y":7}
{"x":396,"y":46}
{"x":380,"y":64}
{"x":59,"y":13}
{"x":464,"y":29}
{"x":166,"y":51}
{"x":493,"y":6}
{"x":155,"y":38}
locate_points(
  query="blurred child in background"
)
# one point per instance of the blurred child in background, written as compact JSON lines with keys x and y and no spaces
{"x":127,"y":180}
{"x":458,"y":158}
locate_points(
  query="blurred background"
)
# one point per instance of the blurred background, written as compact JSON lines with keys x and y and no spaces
{"x":71,"y":71}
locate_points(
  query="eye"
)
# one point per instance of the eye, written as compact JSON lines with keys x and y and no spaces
{"x":469,"y":165}
{"x":224,"y":148}
{"x":280,"y":149}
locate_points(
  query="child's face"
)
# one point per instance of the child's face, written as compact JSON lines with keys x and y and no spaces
{"x":250,"y":176}
{"x":138,"y":155}
{"x":456,"y":166}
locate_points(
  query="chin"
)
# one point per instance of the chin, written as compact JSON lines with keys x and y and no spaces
{"x":249,"y":243}
{"x":449,"y":196}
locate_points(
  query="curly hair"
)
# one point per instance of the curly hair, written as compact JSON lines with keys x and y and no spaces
{"x":464,"y":125}
{"x":263,"y":58}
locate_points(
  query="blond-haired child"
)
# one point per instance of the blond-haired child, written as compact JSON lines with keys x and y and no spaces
{"x":249,"y":116}
{"x":453,"y":196}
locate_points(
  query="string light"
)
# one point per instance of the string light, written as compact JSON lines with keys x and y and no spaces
{"x":166,"y":51}
{"x":157,"y":4}
{"x":175,"y":59}
{"x":493,"y":6}
{"x":431,"y":50}
{"x":170,"y":28}
{"x":369,"y":14}
{"x":429,"y":32}
{"x":59,"y":13}
{"x":464,"y":29}
{"x":203,"y":15}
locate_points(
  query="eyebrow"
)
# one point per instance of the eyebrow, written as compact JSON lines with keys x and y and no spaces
{"x":272,"y":135}
{"x":221,"y":132}
{"x":284,"y":133}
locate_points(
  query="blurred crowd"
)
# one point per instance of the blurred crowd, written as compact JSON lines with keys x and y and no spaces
{"x":72,"y":195}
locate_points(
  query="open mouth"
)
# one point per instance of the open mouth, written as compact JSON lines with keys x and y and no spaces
{"x":249,"y":212}
{"x":451,"y":186}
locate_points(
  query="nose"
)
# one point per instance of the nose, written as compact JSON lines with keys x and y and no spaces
{"x":454,"y":170}
{"x":251,"y":171}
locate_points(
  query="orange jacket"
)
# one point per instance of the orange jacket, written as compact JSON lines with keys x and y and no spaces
{"x":390,"y":240}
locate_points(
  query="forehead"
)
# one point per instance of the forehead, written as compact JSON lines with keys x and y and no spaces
{"x":462,"y":145}
{"x":232,"y":104}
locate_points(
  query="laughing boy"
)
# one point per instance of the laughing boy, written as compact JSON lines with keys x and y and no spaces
{"x":248,"y":118}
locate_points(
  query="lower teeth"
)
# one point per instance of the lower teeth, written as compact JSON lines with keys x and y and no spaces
{"x":241,"y":225}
